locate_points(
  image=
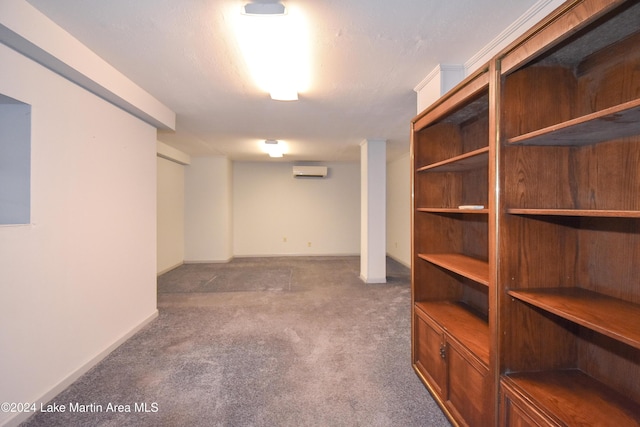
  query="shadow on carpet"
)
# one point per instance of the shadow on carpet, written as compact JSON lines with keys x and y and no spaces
{"x":187,"y":279}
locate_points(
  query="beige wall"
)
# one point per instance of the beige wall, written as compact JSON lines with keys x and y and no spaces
{"x":276,"y":214}
{"x":208,"y":214}
{"x":399,"y":210}
{"x":170,"y":214}
{"x":267,"y":190}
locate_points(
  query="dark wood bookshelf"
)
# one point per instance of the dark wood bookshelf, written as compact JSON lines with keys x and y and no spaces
{"x":451,"y":344}
{"x":569,"y":242}
{"x":526,"y":309}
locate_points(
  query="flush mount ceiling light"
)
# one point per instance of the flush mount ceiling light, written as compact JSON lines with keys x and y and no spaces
{"x":274,"y":148}
{"x":274,"y":43}
{"x":264,"y":9}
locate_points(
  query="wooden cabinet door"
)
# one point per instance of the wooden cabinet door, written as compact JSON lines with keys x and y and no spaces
{"x":469,"y":387}
{"x":430,"y":349}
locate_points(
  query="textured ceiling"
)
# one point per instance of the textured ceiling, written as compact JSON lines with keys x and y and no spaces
{"x":368,"y":55}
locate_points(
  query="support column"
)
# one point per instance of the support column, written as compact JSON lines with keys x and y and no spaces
{"x":373,"y":190}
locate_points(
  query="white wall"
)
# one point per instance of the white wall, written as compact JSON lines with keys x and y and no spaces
{"x":170,"y":214}
{"x":399,"y":210}
{"x":82,"y":275}
{"x":269,"y":206}
{"x":208,"y":215}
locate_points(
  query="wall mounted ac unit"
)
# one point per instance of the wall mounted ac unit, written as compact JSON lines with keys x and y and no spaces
{"x":309,"y":171}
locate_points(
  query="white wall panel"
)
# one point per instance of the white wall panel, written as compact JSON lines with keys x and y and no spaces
{"x":276,"y":214}
{"x":170,"y":214}
{"x":399,"y":210}
{"x":208,"y":220}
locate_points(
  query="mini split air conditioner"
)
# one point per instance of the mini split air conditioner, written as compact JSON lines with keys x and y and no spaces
{"x":309,"y":171}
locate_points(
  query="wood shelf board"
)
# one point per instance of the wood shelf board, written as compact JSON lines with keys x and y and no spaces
{"x":453,"y":210}
{"x":574,"y":398}
{"x":460,"y":322}
{"x":577,"y":212}
{"x":609,"y":316}
{"x":611,"y":123}
{"x":467,"y":161}
{"x":471,"y":268}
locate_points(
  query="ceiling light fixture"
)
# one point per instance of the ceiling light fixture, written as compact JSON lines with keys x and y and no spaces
{"x":274,"y":148}
{"x":273,"y":40}
{"x":264,"y":9}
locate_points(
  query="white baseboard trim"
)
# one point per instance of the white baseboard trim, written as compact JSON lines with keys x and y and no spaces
{"x":208,"y":261}
{"x":166,"y":270}
{"x":71,"y":378}
{"x":373,"y":280}
{"x":296,"y":255}
{"x":398,"y":260}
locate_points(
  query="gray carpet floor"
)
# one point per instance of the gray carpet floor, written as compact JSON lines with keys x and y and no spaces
{"x":292,"y":341}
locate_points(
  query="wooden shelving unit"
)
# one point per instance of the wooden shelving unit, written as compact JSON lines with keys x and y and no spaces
{"x":526,"y":309}
{"x":569,"y":238}
{"x":451,"y":282}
